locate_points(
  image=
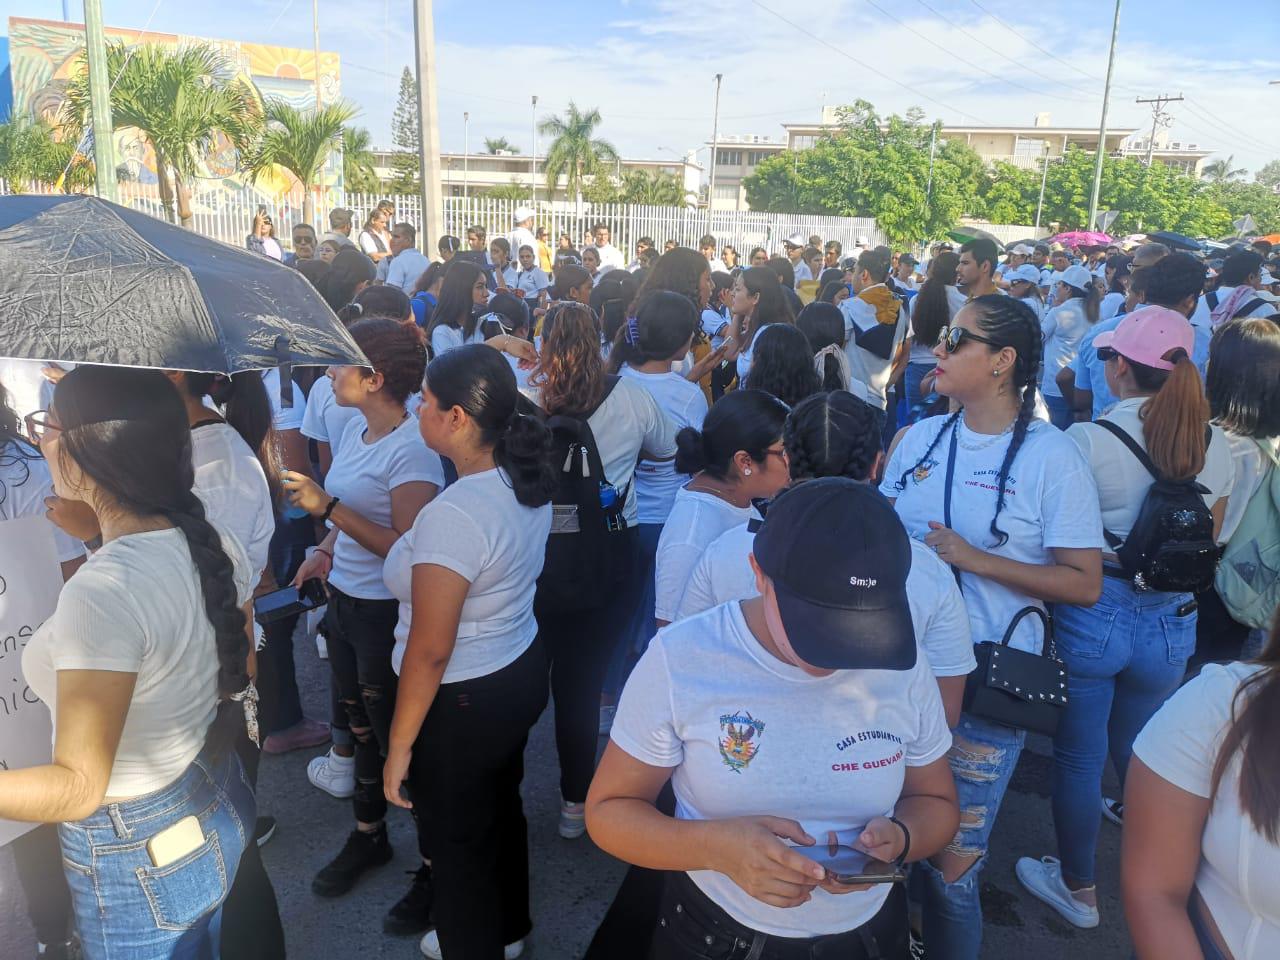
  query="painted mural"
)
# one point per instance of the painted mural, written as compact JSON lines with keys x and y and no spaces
{"x":45,"y":54}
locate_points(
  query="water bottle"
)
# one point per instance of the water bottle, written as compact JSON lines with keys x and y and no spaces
{"x":290,"y":511}
{"x":608,"y":495}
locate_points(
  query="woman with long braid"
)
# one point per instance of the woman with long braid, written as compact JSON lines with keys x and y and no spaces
{"x":1009,"y":502}
{"x":142,"y":665}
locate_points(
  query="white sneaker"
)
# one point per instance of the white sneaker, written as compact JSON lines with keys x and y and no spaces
{"x":333,"y":774}
{"x":1113,"y":810}
{"x":1043,"y":880}
{"x":573,"y":820}
{"x":430,"y":947}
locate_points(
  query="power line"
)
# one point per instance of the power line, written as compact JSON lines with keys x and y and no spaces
{"x":1158,"y":116}
{"x":1229,"y":129}
{"x":1048,"y":53}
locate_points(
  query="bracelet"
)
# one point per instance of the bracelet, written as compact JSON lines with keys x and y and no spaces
{"x":901,"y":859}
{"x":328,"y":512}
{"x":325,"y":552}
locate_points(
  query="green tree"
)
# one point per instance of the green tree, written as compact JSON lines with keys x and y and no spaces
{"x":1221,"y":171}
{"x":496,"y":145}
{"x":514,"y":191}
{"x":32,"y":155}
{"x":182,"y":100}
{"x":654,"y":189}
{"x":575,"y":152}
{"x":358,"y":173}
{"x":300,"y":141}
{"x":406,"y":137}
{"x":1269,"y":175}
{"x":1237,"y":199}
{"x":601,"y":188}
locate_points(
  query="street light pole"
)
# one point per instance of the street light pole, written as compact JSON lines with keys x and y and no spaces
{"x":533,"y":158}
{"x":424,"y":37}
{"x":466,"y":149}
{"x":104,"y":154}
{"x":1102,"y":125}
{"x":1044,"y":179}
{"x":315,"y":39}
{"x":715,"y":135}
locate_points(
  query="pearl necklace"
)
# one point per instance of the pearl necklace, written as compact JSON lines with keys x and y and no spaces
{"x":983,"y":444}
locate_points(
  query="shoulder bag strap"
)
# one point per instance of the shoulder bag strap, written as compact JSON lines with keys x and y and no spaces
{"x":1249,"y":309}
{"x":1211,"y":300}
{"x":1113,"y":541}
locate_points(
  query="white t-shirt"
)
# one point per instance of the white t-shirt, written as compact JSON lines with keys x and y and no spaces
{"x":871,"y":345}
{"x":24,"y":483}
{"x":1122,"y":482}
{"x":530,"y":283}
{"x":696,"y":519}
{"x":1238,"y":865}
{"x":746,"y":355}
{"x":477,"y":529}
{"x":445,"y":338}
{"x":26,"y":386}
{"x":713,"y":324}
{"x":406,"y":267}
{"x":522,"y":237}
{"x":610,"y":259}
{"x":629,"y":421}
{"x":938,"y":613}
{"x":685,"y":405}
{"x":1063,"y":327}
{"x":802,"y":271}
{"x":1252,"y":468}
{"x":283,"y":418}
{"x":371,"y":243}
{"x":136,"y":606}
{"x":234,"y":490}
{"x":923,"y":352}
{"x":364,"y":475}
{"x":1201,"y":317}
{"x":748,"y":734}
{"x":1050,"y":501}
{"x":1110,"y":305}
{"x":324,"y":419}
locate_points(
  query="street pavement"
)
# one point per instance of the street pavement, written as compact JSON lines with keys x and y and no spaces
{"x":573,"y":882}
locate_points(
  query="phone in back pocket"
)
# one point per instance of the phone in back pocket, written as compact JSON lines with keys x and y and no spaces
{"x":175,"y":842}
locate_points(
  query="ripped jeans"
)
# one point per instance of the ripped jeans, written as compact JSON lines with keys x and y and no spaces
{"x":983,"y":757}
{"x":361,"y":636}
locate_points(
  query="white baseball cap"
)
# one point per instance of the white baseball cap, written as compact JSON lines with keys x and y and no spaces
{"x":1028,"y":272}
{"x":1023,"y":250}
{"x":1077,"y":276}
{"x":862,"y":242}
{"x":796,"y":240}
{"x":522,"y":214}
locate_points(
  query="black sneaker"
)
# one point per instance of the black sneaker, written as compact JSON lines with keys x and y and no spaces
{"x":65,"y":950}
{"x":263,"y":830}
{"x":362,"y":851}
{"x":412,"y":914}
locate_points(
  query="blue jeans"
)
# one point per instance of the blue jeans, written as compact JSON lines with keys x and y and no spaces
{"x":129,"y":909}
{"x":982,"y":758}
{"x":1060,"y":414}
{"x":1125,"y":655}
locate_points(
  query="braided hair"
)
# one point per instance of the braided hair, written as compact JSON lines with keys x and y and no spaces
{"x":832,"y":435}
{"x":127,"y":430}
{"x":1007,"y":322}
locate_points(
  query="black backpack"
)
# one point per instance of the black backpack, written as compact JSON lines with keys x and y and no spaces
{"x":579,"y":569}
{"x":1250,"y":307}
{"x":1171,"y":547}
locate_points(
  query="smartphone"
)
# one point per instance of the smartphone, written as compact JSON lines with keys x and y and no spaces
{"x":289,"y":601}
{"x":175,"y":842}
{"x":848,"y":865}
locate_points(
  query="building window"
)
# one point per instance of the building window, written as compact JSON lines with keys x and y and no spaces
{"x":726,"y":191}
{"x":803,"y":143}
{"x":756,"y":157}
{"x":729,"y":158}
{"x":1024,"y":147}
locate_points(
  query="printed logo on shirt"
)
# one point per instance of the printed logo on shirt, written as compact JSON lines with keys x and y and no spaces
{"x":868,"y":737}
{"x":921,"y":473}
{"x":739,"y":743}
{"x":990,"y":480}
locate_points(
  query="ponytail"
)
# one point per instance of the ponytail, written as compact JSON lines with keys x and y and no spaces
{"x":1173,"y":420}
{"x":247,"y":410}
{"x":747,"y":421}
{"x":662,"y":325}
{"x":523,"y":451}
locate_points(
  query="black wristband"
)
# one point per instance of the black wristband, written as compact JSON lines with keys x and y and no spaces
{"x":328,"y":511}
{"x":906,"y":841}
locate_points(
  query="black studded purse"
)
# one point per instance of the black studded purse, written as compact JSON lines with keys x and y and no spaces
{"x":1016,"y":688}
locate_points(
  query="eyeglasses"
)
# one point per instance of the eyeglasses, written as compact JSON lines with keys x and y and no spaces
{"x":950,"y":338}
{"x":40,"y":425}
{"x":780,"y":452}
{"x":1106,"y":353}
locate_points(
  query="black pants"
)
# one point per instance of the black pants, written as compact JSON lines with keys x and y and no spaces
{"x":692,"y":927}
{"x":251,"y":928}
{"x":579,"y":648}
{"x":468,"y":762}
{"x":721,"y":377}
{"x":38,"y":858}
{"x":361,"y":636}
{"x":280,"y":706}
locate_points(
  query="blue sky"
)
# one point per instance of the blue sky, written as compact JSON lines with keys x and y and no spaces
{"x":648,"y":65}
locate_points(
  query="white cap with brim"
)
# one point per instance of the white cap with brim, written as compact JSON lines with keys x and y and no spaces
{"x":522,"y":214}
{"x":1023,"y":250}
{"x":796,"y":240}
{"x":1077,"y":276}
{"x":1028,"y":273}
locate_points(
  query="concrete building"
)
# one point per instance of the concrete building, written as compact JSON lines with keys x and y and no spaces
{"x":738,"y":156}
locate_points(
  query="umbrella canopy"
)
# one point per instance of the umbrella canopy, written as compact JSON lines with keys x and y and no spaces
{"x":1176,"y":241}
{"x":87,"y":281}
{"x":963,"y":234}
{"x":1272,"y":238}
{"x":1078,"y":238}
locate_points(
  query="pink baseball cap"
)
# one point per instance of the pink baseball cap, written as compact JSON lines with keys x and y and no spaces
{"x":1148,"y":334}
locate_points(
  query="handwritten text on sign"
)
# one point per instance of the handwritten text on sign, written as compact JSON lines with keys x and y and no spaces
{"x":29,"y":582}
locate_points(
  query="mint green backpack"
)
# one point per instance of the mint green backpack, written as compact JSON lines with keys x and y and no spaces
{"x":1248,"y":577}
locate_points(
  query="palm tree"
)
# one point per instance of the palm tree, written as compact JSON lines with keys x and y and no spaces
{"x":496,"y":145}
{"x":655,"y":189}
{"x":300,"y":141}
{"x":358,"y":174}
{"x":1222,"y":171}
{"x":573,"y":150}
{"x":184,"y":100}
{"x":31,"y":154}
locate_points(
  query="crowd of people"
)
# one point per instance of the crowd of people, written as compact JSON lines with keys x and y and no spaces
{"x":897,"y":514}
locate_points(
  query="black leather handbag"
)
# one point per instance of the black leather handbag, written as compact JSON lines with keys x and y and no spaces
{"x":1009,"y":686}
{"x":1016,"y":688}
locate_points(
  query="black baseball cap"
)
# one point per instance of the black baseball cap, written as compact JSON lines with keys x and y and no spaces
{"x":838,"y":557}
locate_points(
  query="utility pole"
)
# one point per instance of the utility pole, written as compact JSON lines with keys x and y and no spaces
{"x":104,"y":153}
{"x":1157,"y":117}
{"x":1044,"y":179}
{"x":1102,"y":124}
{"x":424,"y":36}
{"x":715,"y":134}
{"x":466,"y":149}
{"x":533,"y":154}
{"x":928,"y":187}
{"x":315,"y":39}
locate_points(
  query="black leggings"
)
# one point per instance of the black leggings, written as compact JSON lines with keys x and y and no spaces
{"x":251,"y":928}
{"x":579,"y":647}
{"x":468,"y":762}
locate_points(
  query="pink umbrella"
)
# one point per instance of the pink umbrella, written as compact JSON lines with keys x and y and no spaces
{"x":1081,"y":238}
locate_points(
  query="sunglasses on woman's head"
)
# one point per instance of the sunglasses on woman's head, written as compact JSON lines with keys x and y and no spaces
{"x":950,"y":338}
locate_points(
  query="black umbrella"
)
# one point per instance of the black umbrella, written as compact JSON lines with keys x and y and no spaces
{"x":87,"y":281}
{"x":963,"y":234}
{"x":1178,"y":241}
